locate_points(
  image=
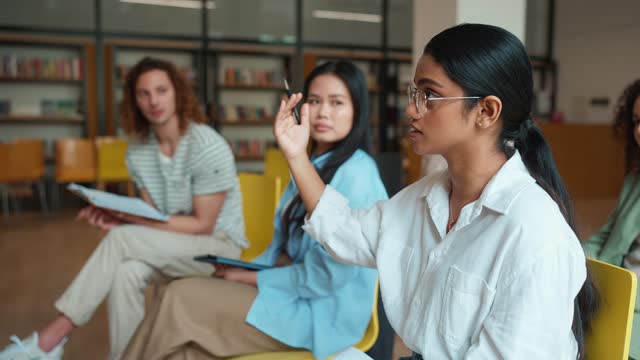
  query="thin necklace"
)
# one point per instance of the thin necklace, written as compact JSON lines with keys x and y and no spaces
{"x":451,"y":222}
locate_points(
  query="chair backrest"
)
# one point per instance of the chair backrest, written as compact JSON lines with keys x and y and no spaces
{"x":75,"y":160}
{"x":611,"y":334}
{"x":275,"y":165}
{"x":5,"y":156}
{"x":371,"y":334}
{"x":110,"y":159}
{"x":260,"y":197}
{"x":27,"y":159}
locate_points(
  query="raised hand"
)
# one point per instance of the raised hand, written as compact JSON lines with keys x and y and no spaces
{"x":291,"y":137}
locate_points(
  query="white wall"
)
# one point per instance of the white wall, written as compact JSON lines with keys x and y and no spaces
{"x":432,"y":16}
{"x":508,"y":14}
{"x":598,"y":53}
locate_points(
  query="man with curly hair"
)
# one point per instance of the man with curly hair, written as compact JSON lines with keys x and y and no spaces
{"x":182,"y":167}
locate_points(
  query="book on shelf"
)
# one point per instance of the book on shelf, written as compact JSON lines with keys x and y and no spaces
{"x":62,"y":107}
{"x":251,"y":77}
{"x":20,"y":67}
{"x":246,"y":113}
{"x":250,"y":148}
{"x":5,"y":106}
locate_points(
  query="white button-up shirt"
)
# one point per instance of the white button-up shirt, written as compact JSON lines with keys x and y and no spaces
{"x":500,"y":285}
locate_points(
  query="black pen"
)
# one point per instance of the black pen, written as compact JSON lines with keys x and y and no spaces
{"x":295,"y":109}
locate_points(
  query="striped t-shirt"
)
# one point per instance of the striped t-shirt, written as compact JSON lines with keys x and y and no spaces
{"x":202,"y":164}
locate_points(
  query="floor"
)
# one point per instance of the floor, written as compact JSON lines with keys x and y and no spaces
{"x":39,"y":255}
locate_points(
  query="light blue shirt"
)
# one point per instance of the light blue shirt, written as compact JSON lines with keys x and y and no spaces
{"x":318,"y":303}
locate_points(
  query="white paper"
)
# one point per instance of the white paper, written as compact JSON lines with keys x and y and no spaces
{"x":125,"y":204}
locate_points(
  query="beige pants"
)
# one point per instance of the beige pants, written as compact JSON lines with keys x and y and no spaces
{"x":125,"y":262}
{"x":200,"y":318}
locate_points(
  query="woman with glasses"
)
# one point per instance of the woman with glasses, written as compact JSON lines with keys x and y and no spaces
{"x":481,"y":260}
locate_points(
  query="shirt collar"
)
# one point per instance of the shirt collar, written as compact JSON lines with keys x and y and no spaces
{"x":319,"y":160}
{"x":499,"y":193}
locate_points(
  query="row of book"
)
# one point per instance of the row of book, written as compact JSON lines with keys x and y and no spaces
{"x":122,"y":70}
{"x":253,"y":148}
{"x":236,"y":113}
{"x":50,"y":107}
{"x":21,"y":67}
{"x":255,"y":77}
{"x":64,"y":107}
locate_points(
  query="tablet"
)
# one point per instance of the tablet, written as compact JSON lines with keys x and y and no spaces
{"x":231,"y":262}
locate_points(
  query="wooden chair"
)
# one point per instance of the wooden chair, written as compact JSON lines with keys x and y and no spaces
{"x":260,"y":197}
{"x":28,"y":166}
{"x":23,"y":167}
{"x":75,"y":161}
{"x":275,"y":165}
{"x":367,"y":341}
{"x":111,"y":165}
{"x":6,"y":178}
{"x":611,"y":335}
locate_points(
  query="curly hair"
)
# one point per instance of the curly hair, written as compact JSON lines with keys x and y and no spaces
{"x":187,"y":106}
{"x":624,"y":126}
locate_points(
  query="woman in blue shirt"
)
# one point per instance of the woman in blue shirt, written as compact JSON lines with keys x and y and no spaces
{"x":308,"y":300}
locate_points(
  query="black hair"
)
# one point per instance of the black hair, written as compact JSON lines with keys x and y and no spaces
{"x":624,"y":126}
{"x":487,"y":60}
{"x":358,"y":138}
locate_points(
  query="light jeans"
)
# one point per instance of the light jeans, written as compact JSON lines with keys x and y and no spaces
{"x":125,"y":262}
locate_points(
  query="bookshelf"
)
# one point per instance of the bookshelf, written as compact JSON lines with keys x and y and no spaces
{"x":47,"y":87}
{"x":247,"y":83}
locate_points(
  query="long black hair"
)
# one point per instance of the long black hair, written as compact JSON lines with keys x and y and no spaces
{"x":624,"y":126}
{"x":358,"y":138}
{"x":487,"y":60}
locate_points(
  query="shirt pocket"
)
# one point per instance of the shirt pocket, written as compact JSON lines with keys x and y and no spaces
{"x":466,"y":302}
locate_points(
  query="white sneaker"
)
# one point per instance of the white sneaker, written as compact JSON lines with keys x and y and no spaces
{"x":29,"y":350}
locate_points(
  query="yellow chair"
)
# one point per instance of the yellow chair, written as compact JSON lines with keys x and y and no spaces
{"x":111,"y":165}
{"x":260,"y":197}
{"x":611,"y":335}
{"x":276,"y":165}
{"x":367,"y":341}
